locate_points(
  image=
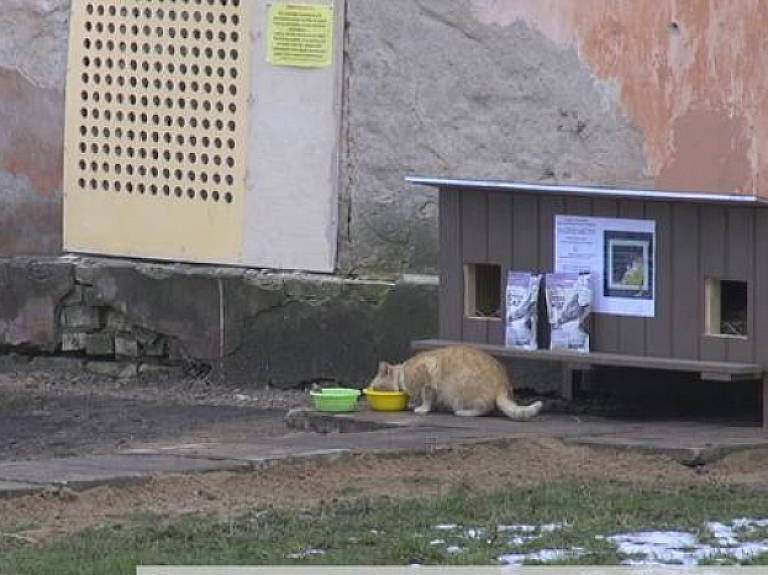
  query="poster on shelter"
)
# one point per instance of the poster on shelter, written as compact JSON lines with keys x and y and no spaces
{"x":620,"y":255}
{"x":300,"y":35}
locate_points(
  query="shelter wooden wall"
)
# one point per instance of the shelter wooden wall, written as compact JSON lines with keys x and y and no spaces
{"x":694,"y":241}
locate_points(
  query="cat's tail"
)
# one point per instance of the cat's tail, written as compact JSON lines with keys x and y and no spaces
{"x":508,"y":406}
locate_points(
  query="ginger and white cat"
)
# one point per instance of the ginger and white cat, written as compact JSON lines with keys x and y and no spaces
{"x":462,"y":378}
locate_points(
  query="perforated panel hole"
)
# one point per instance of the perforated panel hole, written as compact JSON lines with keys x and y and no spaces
{"x":150,"y":74}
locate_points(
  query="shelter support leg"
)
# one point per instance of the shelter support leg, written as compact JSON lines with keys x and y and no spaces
{"x":570,"y":385}
{"x":764,"y":408}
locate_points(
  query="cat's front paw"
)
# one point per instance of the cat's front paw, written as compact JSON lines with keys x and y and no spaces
{"x":422,"y":409}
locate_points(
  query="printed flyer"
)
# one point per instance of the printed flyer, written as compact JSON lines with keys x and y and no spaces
{"x":618,"y":253}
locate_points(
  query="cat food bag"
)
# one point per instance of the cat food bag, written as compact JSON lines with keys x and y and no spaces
{"x":522,"y":300}
{"x":569,"y":302}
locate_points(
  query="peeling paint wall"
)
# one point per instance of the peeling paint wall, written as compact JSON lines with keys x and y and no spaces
{"x":33,"y":49}
{"x":662,"y":93}
{"x":432,"y":89}
{"x":689,"y":73}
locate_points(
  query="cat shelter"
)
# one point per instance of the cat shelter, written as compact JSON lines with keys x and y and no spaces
{"x":704,"y":261}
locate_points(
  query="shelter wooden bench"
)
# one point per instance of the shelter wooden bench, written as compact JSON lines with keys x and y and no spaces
{"x":575,"y":361}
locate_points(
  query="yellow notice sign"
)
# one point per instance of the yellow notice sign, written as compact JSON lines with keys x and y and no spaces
{"x":300,"y":35}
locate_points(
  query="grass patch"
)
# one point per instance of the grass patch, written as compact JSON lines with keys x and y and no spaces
{"x":421,"y":480}
{"x":396,"y":532}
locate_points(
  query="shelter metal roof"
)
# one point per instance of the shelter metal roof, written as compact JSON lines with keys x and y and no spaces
{"x":589,"y":191}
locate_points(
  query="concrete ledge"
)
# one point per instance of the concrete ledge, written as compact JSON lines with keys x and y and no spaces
{"x":307,"y":419}
{"x":254,"y":457}
{"x":688,"y":443}
{"x":16,"y":489}
{"x":381,"y":434}
{"x":685,"y":450}
{"x":84,"y":472}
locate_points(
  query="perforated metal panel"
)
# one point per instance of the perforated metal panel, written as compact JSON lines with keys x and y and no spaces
{"x":157,"y":92}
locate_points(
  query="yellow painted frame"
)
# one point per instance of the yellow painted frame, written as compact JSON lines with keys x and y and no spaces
{"x":156,"y":128}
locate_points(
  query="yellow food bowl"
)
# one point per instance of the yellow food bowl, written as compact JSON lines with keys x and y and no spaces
{"x":386,"y":400}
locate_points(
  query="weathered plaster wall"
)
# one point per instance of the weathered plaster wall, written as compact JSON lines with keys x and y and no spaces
{"x":33,"y":48}
{"x":436,"y":87}
{"x":663,"y":93}
{"x":669,"y":93}
{"x":689,"y":73}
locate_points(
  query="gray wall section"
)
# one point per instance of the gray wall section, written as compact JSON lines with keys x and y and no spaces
{"x":338,"y":336}
{"x":431,"y":91}
{"x":33,"y":52}
{"x":32,"y":290}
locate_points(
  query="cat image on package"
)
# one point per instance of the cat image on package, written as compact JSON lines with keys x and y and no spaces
{"x":569,"y":303}
{"x":522,"y":300}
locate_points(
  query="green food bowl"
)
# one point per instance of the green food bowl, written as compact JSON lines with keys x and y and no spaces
{"x":336,"y":399}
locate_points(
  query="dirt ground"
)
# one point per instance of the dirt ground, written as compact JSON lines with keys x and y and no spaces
{"x":53,"y":412}
{"x":48,"y":409}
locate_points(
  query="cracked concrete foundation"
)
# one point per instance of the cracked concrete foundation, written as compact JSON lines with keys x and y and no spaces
{"x":250,"y":327}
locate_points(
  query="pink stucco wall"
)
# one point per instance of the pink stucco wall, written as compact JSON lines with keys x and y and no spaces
{"x":691,"y":74}
{"x":33,"y":58}
{"x":31,"y":155}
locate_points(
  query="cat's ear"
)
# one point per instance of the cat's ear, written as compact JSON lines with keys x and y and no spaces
{"x":384,"y":368}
